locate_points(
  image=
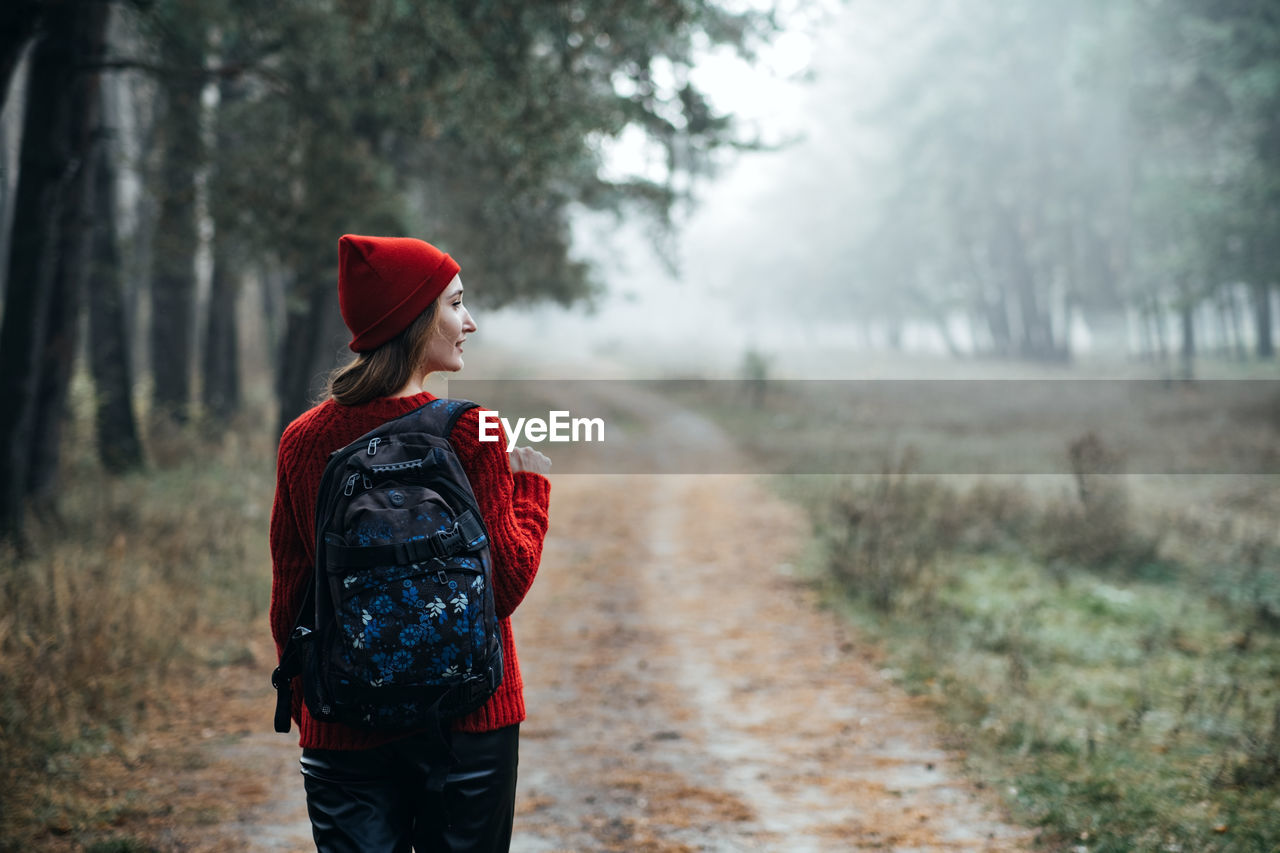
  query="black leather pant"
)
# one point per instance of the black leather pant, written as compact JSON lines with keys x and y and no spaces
{"x":377,"y":800}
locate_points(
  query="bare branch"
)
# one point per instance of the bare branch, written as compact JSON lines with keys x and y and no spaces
{"x":216,"y":72}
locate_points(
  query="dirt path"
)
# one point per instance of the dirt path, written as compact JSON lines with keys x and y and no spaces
{"x":685,"y":694}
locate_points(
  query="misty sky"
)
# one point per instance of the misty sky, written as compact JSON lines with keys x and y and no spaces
{"x":708,"y":315}
{"x":774,"y":257}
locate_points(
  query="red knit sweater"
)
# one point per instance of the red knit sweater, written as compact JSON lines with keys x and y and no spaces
{"x":514,"y":509}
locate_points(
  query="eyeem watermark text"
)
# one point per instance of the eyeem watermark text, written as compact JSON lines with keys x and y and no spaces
{"x":558,"y":426}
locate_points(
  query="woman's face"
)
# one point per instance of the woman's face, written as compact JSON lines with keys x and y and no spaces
{"x":449,"y":331}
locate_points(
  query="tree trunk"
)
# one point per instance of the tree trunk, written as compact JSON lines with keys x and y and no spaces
{"x":996,"y":305}
{"x":173,"y":278}
{"x":306,"y":349}
{"x":1138,"y":323}
{"x":1220,"y":307}
{"x":1188,"y":351}
{"x":47,"y":168}
{"x":1158,"y":324}
{"x":948,"y":339}
{"x":221,"y":389}
{"x":18,"y":22}
{"x":6,"y":197}
{"x":1235,"y":325}
{"x":997,"y":314}
{"x":62,"y":320}
{"x":893,"y":333}
{"x":119,"y":447}
{"x":1262,"y":320}
{"x":1015,"y":268}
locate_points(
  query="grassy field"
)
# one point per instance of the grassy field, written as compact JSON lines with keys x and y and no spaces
{"x":1123,"y":704}
{"x":1105,"y":646}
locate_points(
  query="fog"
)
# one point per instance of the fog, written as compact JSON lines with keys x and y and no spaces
{"x":1051,"y":188}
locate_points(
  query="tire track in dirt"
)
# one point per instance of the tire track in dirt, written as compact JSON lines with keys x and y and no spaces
{"x":828,"y":753}
{"x":608,"y":761}
{"x":686,"y":694}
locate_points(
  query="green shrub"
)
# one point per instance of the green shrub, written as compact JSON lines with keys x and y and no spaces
{"x":1095,"y":530}
{"x":883,"y":534}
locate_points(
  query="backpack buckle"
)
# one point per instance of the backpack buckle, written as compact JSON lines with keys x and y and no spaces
{"x":471,"y":530}
{"x":467,"y":534}
{"x":446,"y":543}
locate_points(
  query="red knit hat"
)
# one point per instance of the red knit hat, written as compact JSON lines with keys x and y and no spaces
{"x":384,"y":283}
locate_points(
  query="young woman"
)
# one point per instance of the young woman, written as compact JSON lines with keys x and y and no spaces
{"x":402,"y":300}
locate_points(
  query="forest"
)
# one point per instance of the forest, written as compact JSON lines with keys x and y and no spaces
{"x":1016,"y":178}
{"x":168,"y":151}
{"x":1020,"y":183}
{"x":1111,"y":164}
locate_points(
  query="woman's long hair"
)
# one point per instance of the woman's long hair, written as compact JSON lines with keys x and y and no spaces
{"x":385,"y":370}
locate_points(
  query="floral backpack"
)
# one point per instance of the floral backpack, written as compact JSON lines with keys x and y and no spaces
{"x":398,"y":630}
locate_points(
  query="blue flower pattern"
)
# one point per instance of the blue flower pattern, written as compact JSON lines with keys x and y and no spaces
{"x":384,"y":623}
{"x":418,"y":624}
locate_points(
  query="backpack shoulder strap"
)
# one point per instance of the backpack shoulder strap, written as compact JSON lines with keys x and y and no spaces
{"x":440,"y":416}
{"x":291,"y":658}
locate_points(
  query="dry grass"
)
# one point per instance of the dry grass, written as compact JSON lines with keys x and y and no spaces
{"x":133,"y":585}
{"x":884,"y":535}
{"x":1116,"y":676}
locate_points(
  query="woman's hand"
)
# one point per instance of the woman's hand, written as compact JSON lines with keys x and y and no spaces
{"x":528,"y":459}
